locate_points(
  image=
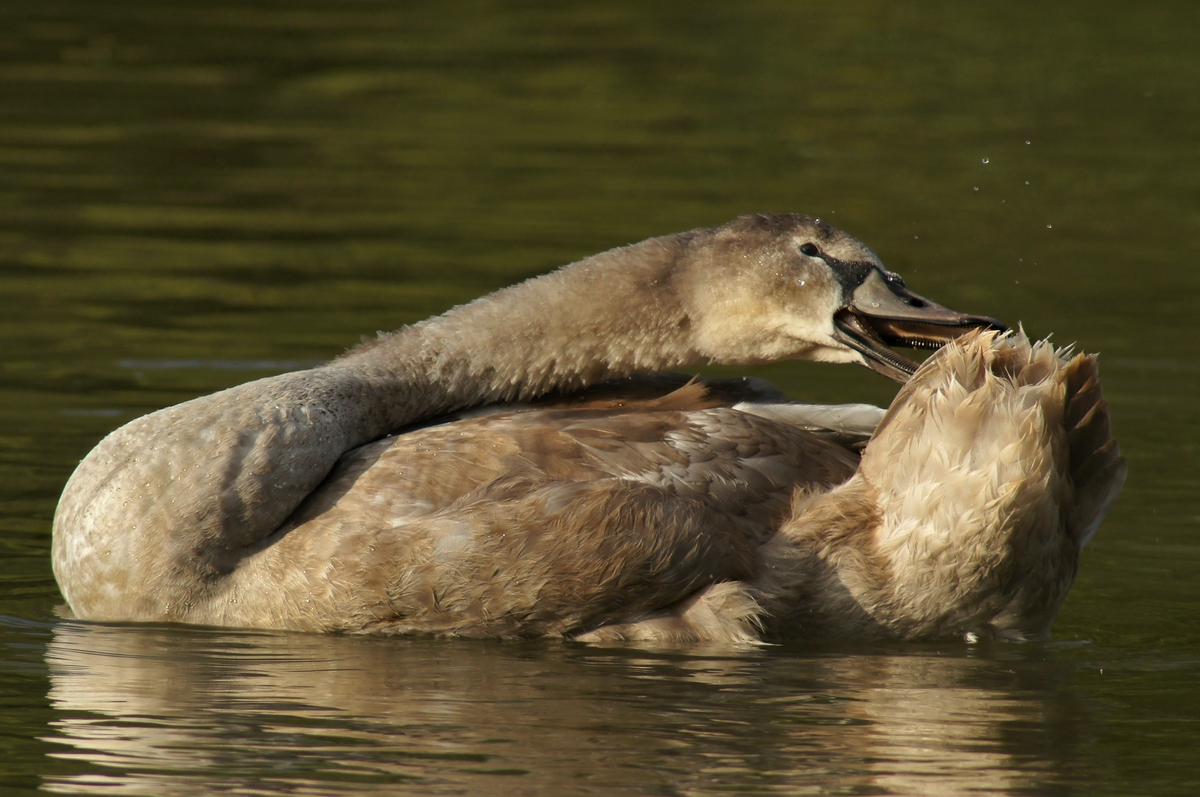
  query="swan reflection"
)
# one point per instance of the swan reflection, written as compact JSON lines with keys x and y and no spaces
{"x":170,"y":711}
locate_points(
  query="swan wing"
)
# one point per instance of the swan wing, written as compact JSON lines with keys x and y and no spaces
{"x":556,"y":521}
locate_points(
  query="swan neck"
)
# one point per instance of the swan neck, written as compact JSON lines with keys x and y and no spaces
{"x":613,"y":314}
{"x":169,"y":504}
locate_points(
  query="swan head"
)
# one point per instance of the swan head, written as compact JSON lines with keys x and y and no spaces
{"x":771,"y":286}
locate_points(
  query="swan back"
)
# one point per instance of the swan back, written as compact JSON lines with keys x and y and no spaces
{"x":544,"y":521}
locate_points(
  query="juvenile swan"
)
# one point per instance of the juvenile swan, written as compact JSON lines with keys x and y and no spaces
{"x":281,"y":503}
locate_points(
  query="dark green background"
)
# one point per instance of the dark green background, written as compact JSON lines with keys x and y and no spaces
{"x":194,"y":194}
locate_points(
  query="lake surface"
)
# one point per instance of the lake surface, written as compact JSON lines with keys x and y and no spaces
{"x":193,"y":195}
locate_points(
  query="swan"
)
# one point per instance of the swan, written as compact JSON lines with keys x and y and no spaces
{"x":334,"y":499}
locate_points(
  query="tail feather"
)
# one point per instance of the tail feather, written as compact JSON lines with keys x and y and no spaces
{"x":987,"y":474}
{"x":1097,"y":468}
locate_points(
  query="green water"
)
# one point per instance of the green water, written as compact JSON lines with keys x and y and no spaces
{"x":192,"y":195}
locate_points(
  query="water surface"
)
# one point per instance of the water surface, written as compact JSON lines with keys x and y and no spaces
{"x":193,"y":196}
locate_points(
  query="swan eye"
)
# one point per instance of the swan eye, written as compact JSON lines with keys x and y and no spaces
{"x":810,"y":249}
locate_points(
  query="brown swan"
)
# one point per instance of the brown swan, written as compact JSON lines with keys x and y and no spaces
{"x":684,"y":516}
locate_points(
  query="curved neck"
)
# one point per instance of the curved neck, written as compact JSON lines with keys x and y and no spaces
{"x":613,"y":314}
{"x":174,"y":499}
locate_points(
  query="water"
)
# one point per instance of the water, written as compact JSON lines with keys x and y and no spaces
{"x":192,"y":196}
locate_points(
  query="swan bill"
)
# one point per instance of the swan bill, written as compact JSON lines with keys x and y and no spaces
{"x":882,"y":312}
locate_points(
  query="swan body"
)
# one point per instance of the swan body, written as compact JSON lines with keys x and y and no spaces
{"x":284,"y":503}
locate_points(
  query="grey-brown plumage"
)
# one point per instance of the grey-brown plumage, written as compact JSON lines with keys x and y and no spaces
{"x":966,"y":516}
{"x":630,"y":512}
{"x":551,"y":521}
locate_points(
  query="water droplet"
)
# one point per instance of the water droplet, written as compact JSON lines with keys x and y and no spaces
{"x":1048,"y":226}
{"x":1027,"y":141}
{"x":976,"y":188}
{"x":801,"y":283}
{"x":916,"y":237}
{"x":985,"y":160}
{"x":1026,"y":182}
{"x":874,"y":304}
